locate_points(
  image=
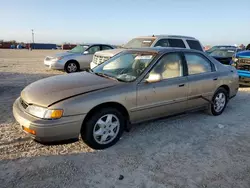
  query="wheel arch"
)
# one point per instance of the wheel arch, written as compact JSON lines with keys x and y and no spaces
{"x":115,"y":105}
{"x":226,"y":87}
{"x":72,"y":60}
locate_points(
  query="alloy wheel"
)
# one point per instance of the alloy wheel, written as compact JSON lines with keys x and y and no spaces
{"x":219,"y":102}
{"x":72,"y":67}
{"x":106,"y":129}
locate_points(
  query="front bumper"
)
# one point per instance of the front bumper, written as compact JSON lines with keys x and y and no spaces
{"x":92,"y":65}
{"x":48,"y":130}
{"x":57,"y":65}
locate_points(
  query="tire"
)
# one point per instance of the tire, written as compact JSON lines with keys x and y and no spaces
{"x":102,"y":135}
{"x":71,"y":66}
{"x":214,"y":109}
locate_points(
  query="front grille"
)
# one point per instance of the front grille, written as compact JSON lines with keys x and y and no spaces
{"x":100,"y":59}
{"x":23,"y":103}
{"x":243,"y":64}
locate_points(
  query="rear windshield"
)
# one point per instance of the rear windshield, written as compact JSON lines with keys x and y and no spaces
{"x":139,"y":43}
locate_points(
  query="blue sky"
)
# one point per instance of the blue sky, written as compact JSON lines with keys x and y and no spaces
{"x":117,"y":21}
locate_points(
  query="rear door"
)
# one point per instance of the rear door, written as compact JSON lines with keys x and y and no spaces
{"x":167,"y":96}
{"x":202,"y":79}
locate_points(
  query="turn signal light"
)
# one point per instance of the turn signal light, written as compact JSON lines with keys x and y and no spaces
{"x":29,"y":130}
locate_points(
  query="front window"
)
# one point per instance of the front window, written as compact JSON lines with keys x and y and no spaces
{"x":125,"y":67}
{"x":79,"y":49}
{"x":169,"y":66}
{"x":139,"y":43}
{"x":222,"y":53}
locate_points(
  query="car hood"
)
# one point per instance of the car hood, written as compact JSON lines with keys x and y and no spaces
{"x":109,"y":53}
{"x":65,"y":54}
{"x":50,"y":90}
{"x":243,"y":54}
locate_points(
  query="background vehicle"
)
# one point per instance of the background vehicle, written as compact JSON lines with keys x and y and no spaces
{"x":145,"y":84}
{"x":224,"y":55}
{"x":149,"y":41}
{"x":220,"y":47}
{"x":76,"y":59}
{"x":241,"y":61}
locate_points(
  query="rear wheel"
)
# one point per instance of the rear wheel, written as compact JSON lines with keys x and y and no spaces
{"x":219,"y":101}
{"x":103,"y":129}
{"x":71,"y":66}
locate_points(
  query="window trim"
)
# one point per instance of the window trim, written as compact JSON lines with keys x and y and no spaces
{"x":184,"y":68}
{"x":204,"y":57}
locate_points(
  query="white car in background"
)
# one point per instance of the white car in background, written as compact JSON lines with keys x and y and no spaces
{"x":78,"y":58}
{"x":177,"y":41}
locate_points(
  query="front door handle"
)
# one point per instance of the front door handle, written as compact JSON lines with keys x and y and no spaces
{"x":215,"y":79}
{"x":181,"y":85}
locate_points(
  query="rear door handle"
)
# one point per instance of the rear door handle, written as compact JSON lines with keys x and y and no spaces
{"x":181,"y":85}
{"x":215,"y":79}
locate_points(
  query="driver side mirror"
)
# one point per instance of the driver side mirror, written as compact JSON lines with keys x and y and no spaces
{"x":85,"y":52}
{"x":152,"y":78}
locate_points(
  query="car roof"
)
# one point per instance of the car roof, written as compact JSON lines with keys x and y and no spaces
{"x":163,"y":50}
{"x":168,"y":36}
{"x":91,"y":44}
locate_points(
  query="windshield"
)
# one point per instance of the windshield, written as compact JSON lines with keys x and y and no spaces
{"x":139,"y":43}
{"x":125,"y":67}
{"x":79,"y":49}
{"x":223,"y":53}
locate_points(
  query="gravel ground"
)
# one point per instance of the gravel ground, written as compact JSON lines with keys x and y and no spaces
{"x":193,"y":150}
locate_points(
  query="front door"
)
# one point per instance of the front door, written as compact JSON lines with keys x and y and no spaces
{"x":166,"y":96}
{"x":202,"y":80}
{"x":86,"y":59}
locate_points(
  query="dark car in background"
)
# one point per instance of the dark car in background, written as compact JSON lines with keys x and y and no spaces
{"x":220,"y":47}
{"x":224,"y":55}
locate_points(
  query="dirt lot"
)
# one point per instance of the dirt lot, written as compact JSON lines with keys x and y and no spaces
{"x":194,"y":150}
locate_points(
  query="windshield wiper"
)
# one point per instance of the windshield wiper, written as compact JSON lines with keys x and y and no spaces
{"x":106,"y":76}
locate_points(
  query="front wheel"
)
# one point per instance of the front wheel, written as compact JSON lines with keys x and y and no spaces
{"x":103,"y":129}
{"x":219,"y":102}
{"x":71,"y":67}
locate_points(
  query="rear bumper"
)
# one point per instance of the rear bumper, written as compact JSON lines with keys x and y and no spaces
{"x":48,"y":130}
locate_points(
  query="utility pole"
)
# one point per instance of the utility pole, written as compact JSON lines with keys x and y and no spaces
{"x":32,"y":35}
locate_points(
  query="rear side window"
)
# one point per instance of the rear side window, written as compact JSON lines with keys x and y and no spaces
{"x":193,"y":44}
{"x":197,"y":64}
{"x":176,"y":43}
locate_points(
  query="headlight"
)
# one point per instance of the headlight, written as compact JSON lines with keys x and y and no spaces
{"x":43,"y":112}
{"x":234,"y":61}
{"x":57,"y":58}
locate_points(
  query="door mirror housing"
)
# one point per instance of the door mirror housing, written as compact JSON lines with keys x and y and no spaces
{"x":153,"y":78}
{"x":85,"y":52}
